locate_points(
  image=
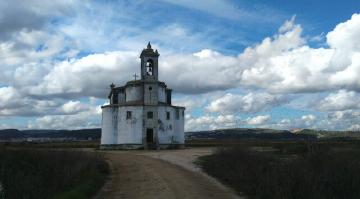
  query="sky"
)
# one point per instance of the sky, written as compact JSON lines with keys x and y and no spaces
{"x":248,"y":64}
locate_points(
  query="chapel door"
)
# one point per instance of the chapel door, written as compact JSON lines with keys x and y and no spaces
{"x":149,"y":135}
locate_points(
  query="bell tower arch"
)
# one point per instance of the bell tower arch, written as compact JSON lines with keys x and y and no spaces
{"x":149,"y":63}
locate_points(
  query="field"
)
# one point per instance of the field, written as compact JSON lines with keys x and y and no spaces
{"x":58,"y":174}
{"x":252,"y":167}
{"x":267,"y":169}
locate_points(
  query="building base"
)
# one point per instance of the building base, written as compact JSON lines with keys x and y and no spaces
{"x":139,"y":146}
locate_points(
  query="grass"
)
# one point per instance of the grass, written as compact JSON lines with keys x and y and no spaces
{"x":33,"y":173}
{"x":302,"y":170}
{"x":60,"y":145}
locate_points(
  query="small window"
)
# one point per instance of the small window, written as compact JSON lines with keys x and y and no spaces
{"x":150,"y":115}
{"x":177,"y":114}
{"x":168,"y":115}
{"x":115,"y":98}
{"x":150,"y":88}
{"x":149,"y":67}
{"x":128,"y":115}
{"x":182,"y":112}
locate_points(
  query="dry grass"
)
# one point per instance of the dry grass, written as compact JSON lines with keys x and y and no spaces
{"x":290,"y":171}
{"x":28,"y":173}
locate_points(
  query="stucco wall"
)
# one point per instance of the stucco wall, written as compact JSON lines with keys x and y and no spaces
{"x":130,"y":130}
{"x":165,"y":127}
{"x":121,"y":97}
{"x":179,"y":127}
{"x":109,"y":125}
{"x":150,"y":93}
{"x":134,"y":93}
{"x":162,"y":95}
{"x":170,"y":131}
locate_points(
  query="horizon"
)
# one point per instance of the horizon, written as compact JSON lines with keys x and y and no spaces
{"x":232,"y":64}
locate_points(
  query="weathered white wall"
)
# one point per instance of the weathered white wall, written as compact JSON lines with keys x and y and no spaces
{"x":121,"y":97}
{"x":162,"y":95}
{"x":130,"y":130}
{"x":109,"y":125}
{"x":151,"y":95}
{"x":134,"y":93}
{"x":116,"y":129}
{"x":179,"y":127}
{"x":166,"y":127}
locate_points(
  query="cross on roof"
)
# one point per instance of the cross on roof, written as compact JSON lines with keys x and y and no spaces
{"x":135,"y":76}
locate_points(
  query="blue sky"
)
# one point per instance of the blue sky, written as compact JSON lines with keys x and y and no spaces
{"x":270,"y":64}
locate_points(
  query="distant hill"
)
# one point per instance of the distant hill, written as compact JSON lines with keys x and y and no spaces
{"x":322,"y":134}
{"x":82,"y":134}
{"x":11,"y":133}
{"x":236,"y":133}
{"x":247,"y":133}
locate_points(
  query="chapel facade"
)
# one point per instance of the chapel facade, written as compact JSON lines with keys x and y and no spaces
{"x":140,"y":114}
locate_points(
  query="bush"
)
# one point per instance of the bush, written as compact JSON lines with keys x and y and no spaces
{"x":316,"y":172}
{"x":29,"y":173}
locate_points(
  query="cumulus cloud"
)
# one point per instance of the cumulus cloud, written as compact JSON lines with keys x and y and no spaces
{"x":228,"y":10}
{"x":76,"y":77}
{"x":72,"y":107}
{"x":16,"y":15}
{"x":308,"y":120}
{"x":283,"y":63}
{"x":13,"y":103}
{"x":258,"y":120}
{"x":77,"y":121}
{"x":87,"y":76}
{"x":43,"y":73}
{"x":74,"y":115}
{"x":286,"y":64}
{"x":207,"y":122}
{"x":341,"y":100}
{"x":249,"y":103}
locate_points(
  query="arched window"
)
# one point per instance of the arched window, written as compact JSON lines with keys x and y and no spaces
{"x":149,"y":67}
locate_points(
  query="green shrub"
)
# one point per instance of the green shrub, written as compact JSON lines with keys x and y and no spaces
{"x":29,"y":173}
{"x":317,"y":173}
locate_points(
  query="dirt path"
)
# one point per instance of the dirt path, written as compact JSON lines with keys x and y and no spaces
{"x":144,"y":175}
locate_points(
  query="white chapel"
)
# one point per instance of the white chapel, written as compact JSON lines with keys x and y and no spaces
{"x":140,"y":114}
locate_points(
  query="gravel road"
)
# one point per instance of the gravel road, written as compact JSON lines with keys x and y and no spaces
{"x":160,"y":174}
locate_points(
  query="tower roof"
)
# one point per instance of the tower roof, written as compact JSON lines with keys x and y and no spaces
{"x":149,"y":52}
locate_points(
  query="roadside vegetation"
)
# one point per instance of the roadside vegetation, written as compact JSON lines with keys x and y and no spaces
{"x":289,"y":170}
{"x":33,"y":173}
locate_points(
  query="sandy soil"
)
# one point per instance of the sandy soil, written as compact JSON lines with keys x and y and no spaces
{"x":160,"y":174}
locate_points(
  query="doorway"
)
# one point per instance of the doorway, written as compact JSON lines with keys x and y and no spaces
{"x":149,"y":135}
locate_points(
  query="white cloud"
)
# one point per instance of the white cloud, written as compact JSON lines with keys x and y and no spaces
{"x":16,"y":15}
{"x":228,"y":10}
{"x":13,"y":103}
{"x":207,"y":122}
{"x":308,"y":120}
{"x":251,"y":102}
{"x":258,"y":120}
{"x":341,"y":100}
{"x":88,"y":76}
{"x":72,"y":107}
{"x":355,"y":127}
{"x":77,"y":77}
{"x":343,"y":116}
{"x":36,"y":73}
{"x":89,"y":118}
{"x":286,"y":64}
{"x":279,"y":64}
{"x":345,"y":35}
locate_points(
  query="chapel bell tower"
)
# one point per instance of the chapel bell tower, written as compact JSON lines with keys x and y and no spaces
{"x":149,"y":63}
